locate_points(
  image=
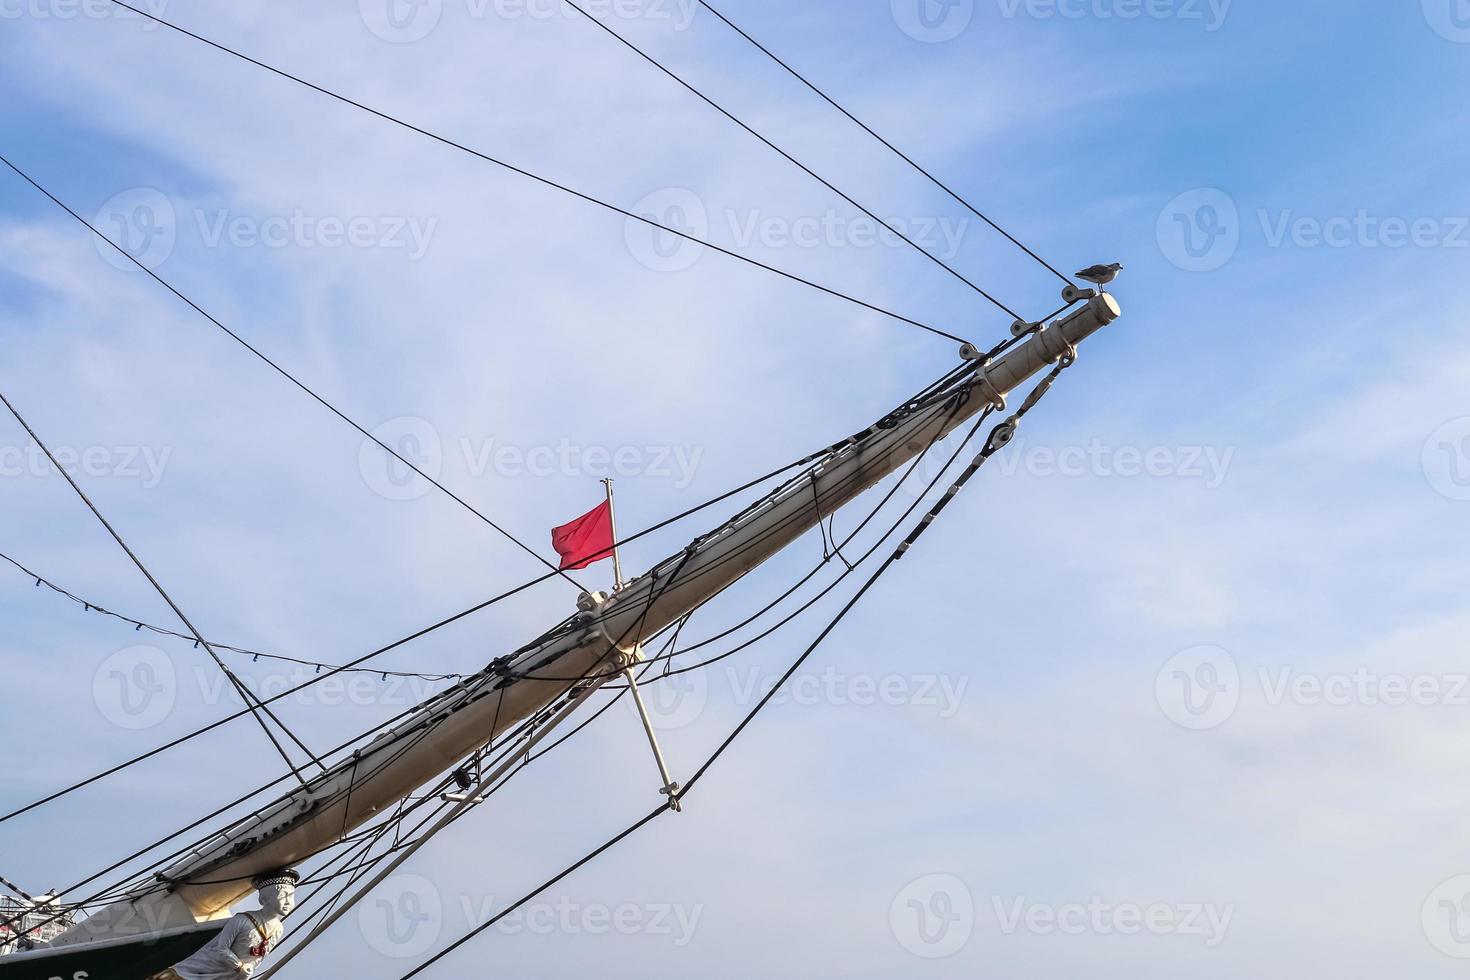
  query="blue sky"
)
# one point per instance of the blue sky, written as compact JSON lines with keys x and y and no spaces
{"x":1192,"y":650}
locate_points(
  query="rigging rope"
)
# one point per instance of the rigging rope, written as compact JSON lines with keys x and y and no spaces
{"x":873,"y":133}
{"x":138,"y":624}
{"x":546,"y":181}
{"x":803,"y":167}
{"x":288,"y":376}
{"x":252,"y":703}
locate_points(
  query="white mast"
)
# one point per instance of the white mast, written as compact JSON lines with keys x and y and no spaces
{"x":602,"y":641}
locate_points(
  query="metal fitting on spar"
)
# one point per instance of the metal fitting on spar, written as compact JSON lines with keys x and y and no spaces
{"x":1049,"y":344}
{"x":590,"y":607}
{"x":1060,"y":338}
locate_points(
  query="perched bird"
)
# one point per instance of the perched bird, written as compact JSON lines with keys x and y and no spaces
{"x":1101,"y":274}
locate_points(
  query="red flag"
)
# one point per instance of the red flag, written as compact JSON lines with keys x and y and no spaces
{"x":586,"y":540}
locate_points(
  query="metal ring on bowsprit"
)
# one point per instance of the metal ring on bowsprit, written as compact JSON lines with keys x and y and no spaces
{"x":1067,"y":356}
{"x":988,"y":388}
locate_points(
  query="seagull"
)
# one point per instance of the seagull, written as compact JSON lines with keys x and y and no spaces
{"x":1101,"y":274}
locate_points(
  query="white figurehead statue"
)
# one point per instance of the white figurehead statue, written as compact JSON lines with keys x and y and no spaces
{"x":246,"y":939}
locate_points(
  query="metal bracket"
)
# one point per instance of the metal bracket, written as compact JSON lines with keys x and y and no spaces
{"x":987,"y":387}
{"x":670,"y":788}
{"x":1072,"y":294}
{"x":1055,"y":347}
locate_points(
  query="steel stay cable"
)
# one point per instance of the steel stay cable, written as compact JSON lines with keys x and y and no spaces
{"x":287,"y":375}
{"x":252,"y":702}
{"x":566,"y":189}
{"x":659,"y":811}
{"x":138,"y":624}
{"x":803,"y":167}
{"x":901,"y":154}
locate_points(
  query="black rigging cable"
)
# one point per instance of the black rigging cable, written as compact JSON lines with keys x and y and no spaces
{"x":803,"y":167}
{"x":642,"y":219}
{"x":288,"y":376}
{"x":873,"y":133}
{"x":252,"y":703}
{"x":139,"y":625}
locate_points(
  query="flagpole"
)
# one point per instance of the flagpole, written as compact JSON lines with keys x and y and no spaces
{"x":612,"y":518}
